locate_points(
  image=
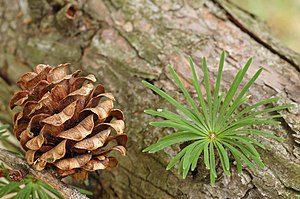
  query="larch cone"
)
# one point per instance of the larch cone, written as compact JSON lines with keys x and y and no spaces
{"x":66,"y":121}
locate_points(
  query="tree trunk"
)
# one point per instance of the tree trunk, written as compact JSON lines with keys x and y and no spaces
{"x":124,"y":42}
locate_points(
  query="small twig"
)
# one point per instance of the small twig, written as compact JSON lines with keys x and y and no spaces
{"x":19,"y":164}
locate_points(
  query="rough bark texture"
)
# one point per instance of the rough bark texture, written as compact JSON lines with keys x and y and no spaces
{"x":124,"y":42}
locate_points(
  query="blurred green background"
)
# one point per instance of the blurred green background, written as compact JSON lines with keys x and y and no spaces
{"x":283,"y":17}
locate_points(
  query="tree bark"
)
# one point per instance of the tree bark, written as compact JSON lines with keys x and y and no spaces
{"x":124,"y":42}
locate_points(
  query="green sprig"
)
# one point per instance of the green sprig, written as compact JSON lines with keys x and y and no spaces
{"x":31,"y":189}
{"x":215,"y":126}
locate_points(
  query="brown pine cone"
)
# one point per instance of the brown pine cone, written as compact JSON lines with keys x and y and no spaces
{"x":66,"y":121}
